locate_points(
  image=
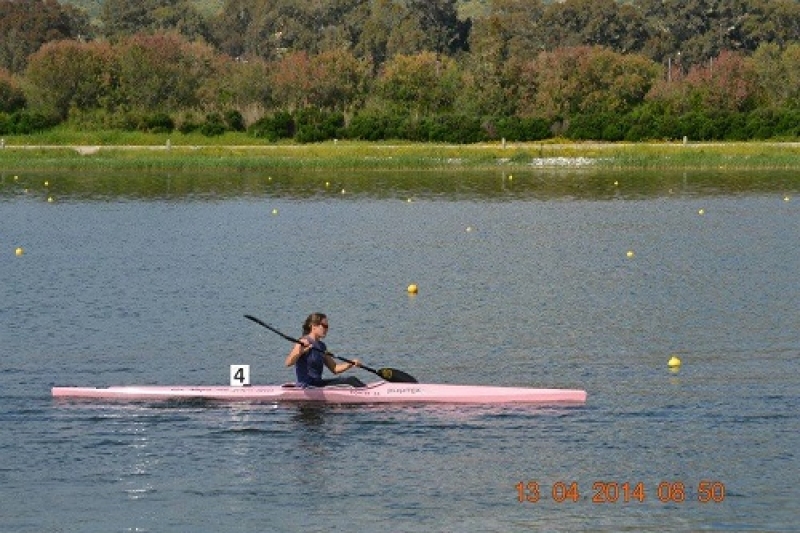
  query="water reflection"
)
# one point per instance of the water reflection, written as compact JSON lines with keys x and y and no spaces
{"x":546,"y":184}
{"x":309,"y":416}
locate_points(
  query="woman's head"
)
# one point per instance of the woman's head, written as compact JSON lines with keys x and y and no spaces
{"x":315,"y":319}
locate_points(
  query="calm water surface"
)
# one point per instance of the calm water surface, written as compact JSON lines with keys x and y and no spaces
{"x":524,"y":280}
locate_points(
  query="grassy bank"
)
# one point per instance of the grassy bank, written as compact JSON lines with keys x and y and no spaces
{"x":136,"y":151}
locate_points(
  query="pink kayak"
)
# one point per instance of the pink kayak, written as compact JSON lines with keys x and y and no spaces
{"x":380,"y":392}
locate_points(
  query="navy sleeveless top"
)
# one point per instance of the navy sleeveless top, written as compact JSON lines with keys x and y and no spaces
{"x":310,"y":365}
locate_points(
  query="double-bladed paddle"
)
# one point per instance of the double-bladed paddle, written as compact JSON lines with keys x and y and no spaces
{"x":389,"y":374}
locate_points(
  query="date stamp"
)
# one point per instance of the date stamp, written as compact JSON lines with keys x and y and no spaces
{"x":627,"y":492}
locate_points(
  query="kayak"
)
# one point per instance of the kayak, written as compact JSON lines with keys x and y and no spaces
{"x":381,"y":392}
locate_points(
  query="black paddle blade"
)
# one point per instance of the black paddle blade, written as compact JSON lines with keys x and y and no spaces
{"x":395,"y":376}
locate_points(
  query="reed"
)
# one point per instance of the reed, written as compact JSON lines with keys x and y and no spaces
{"x":139,"y":151}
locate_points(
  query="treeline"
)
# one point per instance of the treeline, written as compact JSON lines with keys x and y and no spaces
{"x":413,"y":69}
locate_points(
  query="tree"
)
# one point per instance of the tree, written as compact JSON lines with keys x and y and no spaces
{"x":11,"y":96}
{"x":162,"y":72}
{"x":778,"y":74}
{"x":66,"y":75}
{"x":768,"y":21}
{"x":343,"y":80}
{"x":123,"y":18}
{"x":585,"y":80}
{"x":727,"y":83}
{"x":271,"y":28}
{"x":421,"y":84}
{"x":618,"y":27}
{"x":390,"y":28}
{"x":701,"y":29}
{"x":292,"y":79}
{"x":334,"y":80}
{"x":25,"y":25}
{"x":238,"y":84}
{"x":228,"y":28}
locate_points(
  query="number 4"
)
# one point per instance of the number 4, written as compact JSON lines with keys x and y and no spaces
{"x":240,"y":375}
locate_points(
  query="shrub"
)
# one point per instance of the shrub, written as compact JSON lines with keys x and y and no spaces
{"x":315,"y":125}
{"x":788,"y":123}
{"x":234,"y":120}
{"x":213,"y":126}
{"x":158,"y":123}
{"x":281,"y":125}
{"x":372,"y":126}
{"x":5,"y":124}
{"x":25,"y":122}
{"x":520,"y":129}
{"x":455,"y":128}
{"x":585,"y":127}
{"x":188,"y":126}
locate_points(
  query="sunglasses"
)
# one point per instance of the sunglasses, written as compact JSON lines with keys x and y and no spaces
{"x":324,"y":326}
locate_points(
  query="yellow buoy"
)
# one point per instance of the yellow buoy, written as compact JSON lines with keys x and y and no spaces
{"x":50,"y":200}
{"x":412,"y":289}
{"x":274,"y":211}
{"x":630,"y":253}
{"x":674,"y":362}
{"x":701,"y":212}
{"x":19,"y":251}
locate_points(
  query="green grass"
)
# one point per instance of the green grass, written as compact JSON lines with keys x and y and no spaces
{"x":62,"y":149}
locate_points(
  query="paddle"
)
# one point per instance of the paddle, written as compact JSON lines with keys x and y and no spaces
{"x":389,"y":374}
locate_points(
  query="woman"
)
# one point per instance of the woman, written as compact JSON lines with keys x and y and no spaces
{"x":311,"y":354}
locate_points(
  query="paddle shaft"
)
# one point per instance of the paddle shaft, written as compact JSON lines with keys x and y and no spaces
{"x":292,"y":339}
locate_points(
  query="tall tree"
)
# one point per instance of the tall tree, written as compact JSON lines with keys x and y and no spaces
{"x":270,"y":28}
{"x":511,"y":28}
{"x":123,"y":18}
{"x":25,"y":25}
{"x":11,"y":96}
{"x":376,"y":29}
{"x":766,"y":21}
{"x":618,"y":27}
{"x":778,"y":73}
{"x":392,"y":27}
{"x":504,"y":38}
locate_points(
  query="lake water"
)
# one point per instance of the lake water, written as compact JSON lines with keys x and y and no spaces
{"x":524,"y":280}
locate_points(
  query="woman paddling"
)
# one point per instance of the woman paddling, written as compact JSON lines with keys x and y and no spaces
{"x":310,"y":355}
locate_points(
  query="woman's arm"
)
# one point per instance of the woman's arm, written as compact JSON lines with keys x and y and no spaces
{"x":338,"y":368}
{"x":296,"y":352}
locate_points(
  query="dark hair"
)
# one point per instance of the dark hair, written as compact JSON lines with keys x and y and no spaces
{"x":314,"y":319}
